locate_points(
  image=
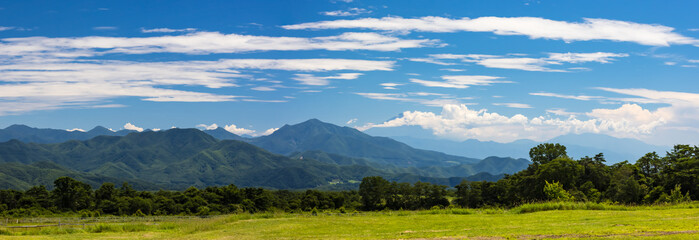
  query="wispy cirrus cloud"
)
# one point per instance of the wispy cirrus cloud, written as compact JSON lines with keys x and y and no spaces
{"x":461,"y":81}
{"x":200,"y":43}
{"x":105,"y":28}
{"x":423,"y":98}
{"x":310,"y":79}
{"x":533,"y":27}
{"x":167,"y":30}
{"x":576,"y":97}
{"x":526,"y":63}
{"x":513,"y":105}
{"x":346,"y":13}
{"x":58,"y":83}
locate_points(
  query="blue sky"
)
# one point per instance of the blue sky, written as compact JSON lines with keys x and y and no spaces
{"x":453,"y":69}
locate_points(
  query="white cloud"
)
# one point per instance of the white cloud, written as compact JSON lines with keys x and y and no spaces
{"x":579,"y":97}
{"x":5,"y":28}
{"x":264,"y":89}
{"x":167,"y":30}
{"x":105,"y":28}
{"x":208,"y":127}
{"x":129,"y":126}
{"x":460,"y":81}
{"x":670,"y":63}
{"x":561,"y":112}
{"x":310,"y":79}
{"x":201,"y":43}
{"x":533,"y":27}
{"x":452,"y":70}
{"x":681,"y":111}
{"x":239,"y":131}
{"x":513,"y":105}
{"x":416,"y":97}
{"x":263,"y":100}
{"x":347,"y":13}
{"x":30,"y":85}
{"x":75,"y":129}
{"x":390,"y":86}
{"x":600,"y":57}
{"x":353,"y":120}
{"x":243,"y":131}
{"x":267,"y":132}
{"x":461,"y":123}
{"x":527,"y":63}
{"x":430,"y":60}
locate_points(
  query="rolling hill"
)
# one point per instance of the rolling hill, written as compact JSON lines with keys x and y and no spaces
{"x":316,"y":135}
{"x":179,"y":158}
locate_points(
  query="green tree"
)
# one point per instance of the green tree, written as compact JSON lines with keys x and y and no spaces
{"x":546,"y":152}
{"x":70,"y":194}
{"x":554,"y":191}
{"x":373,"y":191}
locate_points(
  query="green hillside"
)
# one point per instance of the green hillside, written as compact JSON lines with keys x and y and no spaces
{"x":316,"y":135}
{"x":180,"y":158}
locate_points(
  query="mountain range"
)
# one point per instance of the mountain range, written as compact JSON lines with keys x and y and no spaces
{"x":577,"y":145}
{"x":312,"y":154}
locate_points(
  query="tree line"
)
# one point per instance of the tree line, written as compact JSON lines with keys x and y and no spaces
{"x":552,"y":175}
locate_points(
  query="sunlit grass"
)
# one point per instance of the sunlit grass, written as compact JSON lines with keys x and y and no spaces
{"x":529,"y":221}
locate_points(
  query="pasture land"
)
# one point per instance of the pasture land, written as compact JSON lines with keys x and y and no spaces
{"x":675,"y":222}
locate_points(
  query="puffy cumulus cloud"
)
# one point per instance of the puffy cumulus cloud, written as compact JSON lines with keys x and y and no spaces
{"x":630,"y":118}
{"x":244,"y":131}
{"x":533,"y":27}
{"x":268,"y":132}
{"x":461,"y":123}
{"x":129,"y":126}
{"x":239,"y":131}
{"x":460,"y":81}
{"x":208,"y":127}
{"x":201,"y":43}
{"x":29,"y":85}
{"x":346,"y":13}
{"x":423,"y":98}
{"x":526,"y":63}
{"x":167,"y":30}
{"x":677,"y":120}
{"x":310,"y":79}
{"x":683,"y":109}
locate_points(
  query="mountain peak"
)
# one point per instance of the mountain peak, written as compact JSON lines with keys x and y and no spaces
{"x":15,"y":127}
{"x":100,"y":129}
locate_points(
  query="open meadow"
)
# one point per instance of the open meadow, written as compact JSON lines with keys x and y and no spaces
{"x":525,"y":222}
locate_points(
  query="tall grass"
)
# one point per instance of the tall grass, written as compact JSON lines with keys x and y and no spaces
{"x":548,"y":206}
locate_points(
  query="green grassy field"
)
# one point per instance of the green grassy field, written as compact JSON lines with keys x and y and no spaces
{"x":676,"y":222}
